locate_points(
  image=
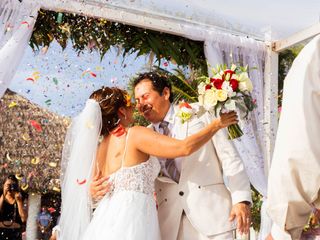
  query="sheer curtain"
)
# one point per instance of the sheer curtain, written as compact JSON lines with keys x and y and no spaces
{"x":245,"y":51}
{"x":224,"y":48}
{"x":16,"y":24}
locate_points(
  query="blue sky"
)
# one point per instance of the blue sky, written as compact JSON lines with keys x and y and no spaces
{"x":63,"y":87}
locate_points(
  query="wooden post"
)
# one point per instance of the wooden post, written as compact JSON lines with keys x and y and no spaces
{"x":34,"y":203}
{"x":270,"y":115}
{"x":296,"y":38}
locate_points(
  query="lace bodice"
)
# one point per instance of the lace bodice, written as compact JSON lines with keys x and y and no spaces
{"x":138,"y":178}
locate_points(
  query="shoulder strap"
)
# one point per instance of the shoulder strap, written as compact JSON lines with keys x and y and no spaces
{"x":125,"y":149}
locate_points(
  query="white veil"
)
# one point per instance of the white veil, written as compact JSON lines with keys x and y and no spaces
{"x":78,"y":156}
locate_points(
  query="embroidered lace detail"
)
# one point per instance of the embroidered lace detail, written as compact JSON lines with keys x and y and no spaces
{"x":139,"y":178}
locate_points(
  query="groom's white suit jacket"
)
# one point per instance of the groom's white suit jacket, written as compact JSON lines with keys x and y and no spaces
{"x":201,"y":192}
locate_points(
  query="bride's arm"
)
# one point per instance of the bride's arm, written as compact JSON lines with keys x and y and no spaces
{"x":153,"y":143}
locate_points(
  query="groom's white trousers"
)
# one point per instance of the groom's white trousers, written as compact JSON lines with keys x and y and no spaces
{"x":188,"y":232}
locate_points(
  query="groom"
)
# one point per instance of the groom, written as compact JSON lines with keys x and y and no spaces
{"x":193,"y":200}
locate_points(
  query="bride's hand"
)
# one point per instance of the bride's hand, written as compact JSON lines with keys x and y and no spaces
{"x":227,"y":119}
{"x":99,"y":186}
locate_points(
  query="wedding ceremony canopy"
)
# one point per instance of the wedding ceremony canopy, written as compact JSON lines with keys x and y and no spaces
{"x":230,"y":34}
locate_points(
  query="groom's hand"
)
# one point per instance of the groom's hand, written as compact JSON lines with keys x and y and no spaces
{"x":98,"y":186}
{"x":241,"y":212}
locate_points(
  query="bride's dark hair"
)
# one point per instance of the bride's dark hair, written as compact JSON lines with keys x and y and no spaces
{"x":110,"y":100}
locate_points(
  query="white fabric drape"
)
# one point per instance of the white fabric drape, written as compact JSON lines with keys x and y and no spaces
{"x":16,"y":24}
{"x":226,"y":49}
{"x":223,"y":48}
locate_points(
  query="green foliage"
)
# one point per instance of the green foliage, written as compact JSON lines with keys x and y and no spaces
{"x":256,"y":209}
{"x":100,"y":34}
{"x":182,"y":87}
{"x":285,"y":61}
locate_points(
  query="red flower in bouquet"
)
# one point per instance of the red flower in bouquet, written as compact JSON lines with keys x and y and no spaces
{"x":217,"y":83}
{"x":234,"y":84}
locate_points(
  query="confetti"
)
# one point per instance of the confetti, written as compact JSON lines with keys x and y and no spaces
{"x":30,"y":79}
{"x":8,"y":157}
{"x":35,"y":76}
{"x":36,"y":125}
{"x":26,"y":23}
{"x":51,"y":210}
{"x":19,"y":176}
{"x":88,"y":71}
{"x":24,"y":187}
{"x":56,"y":189}
{"x":81,"y":182}
{"x":48,"y":102}
{"x":98,"y":68}
{"x":59,"y":17}
{"x":44,"y":121}
{"x":26,"y":137}
{"x":12,"y":104}
{"x":35,"y":160}
{"x":166,"y":64}
{"x":52,"y":164}
{"x":55,"y":80}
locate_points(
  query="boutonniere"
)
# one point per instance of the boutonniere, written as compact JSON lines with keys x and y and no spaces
{"x":186,"y":112}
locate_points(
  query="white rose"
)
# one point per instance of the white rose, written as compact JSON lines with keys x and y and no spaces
{"x":202,"y":88}
{"x":246,"y":85}
{"x":201,"y":99}
{"x":226,"y":86}
{"x":210,"y":99}
{"x":222,"y":95}
{"x":243,"y":77}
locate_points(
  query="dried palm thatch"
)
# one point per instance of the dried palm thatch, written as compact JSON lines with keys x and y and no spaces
{"x":31,"y":141}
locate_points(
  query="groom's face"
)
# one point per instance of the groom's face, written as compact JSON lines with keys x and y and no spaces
{"x":150,"y":103}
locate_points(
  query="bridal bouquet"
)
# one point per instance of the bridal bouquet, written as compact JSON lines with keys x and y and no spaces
{"x":229,"y":89}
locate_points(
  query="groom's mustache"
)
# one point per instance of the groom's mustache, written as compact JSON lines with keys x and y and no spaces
{"x":144,"y":108}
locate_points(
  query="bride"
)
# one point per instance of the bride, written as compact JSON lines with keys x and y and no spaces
{"x":124,"y":154}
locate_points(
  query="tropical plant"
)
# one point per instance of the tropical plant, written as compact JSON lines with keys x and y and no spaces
{"x":101,"y":34}
{"x":286,"y":59}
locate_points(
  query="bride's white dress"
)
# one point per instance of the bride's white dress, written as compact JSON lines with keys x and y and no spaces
{"x":129,"y":211}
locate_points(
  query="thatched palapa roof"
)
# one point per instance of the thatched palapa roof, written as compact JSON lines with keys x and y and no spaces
{"x":31,"y":141}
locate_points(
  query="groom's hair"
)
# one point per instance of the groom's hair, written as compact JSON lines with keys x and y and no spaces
{"x":159,"y":82}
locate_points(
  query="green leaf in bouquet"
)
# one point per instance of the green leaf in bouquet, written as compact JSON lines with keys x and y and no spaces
{"x":203,"y":79}
{"x":242,"y":108}
{"x":217,"y":108}
{"x":248,"y":102}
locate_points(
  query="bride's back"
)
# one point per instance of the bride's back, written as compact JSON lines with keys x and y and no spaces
{"x":111,"y":152}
